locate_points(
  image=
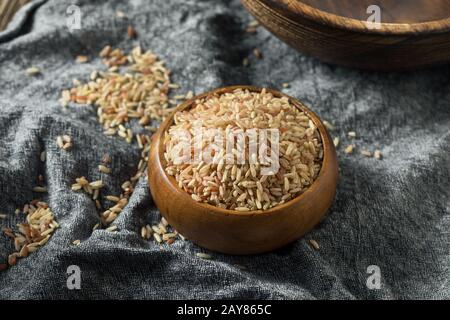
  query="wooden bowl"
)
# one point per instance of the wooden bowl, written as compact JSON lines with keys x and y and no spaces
{"x":230,"y":231}
{"x":413,"y":33}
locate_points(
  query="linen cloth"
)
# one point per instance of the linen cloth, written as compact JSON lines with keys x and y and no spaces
{"x":392,"y":213}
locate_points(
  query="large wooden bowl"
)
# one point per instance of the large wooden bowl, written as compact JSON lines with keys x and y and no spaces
{"x":234,"y":232}
{"x":413,"y":33}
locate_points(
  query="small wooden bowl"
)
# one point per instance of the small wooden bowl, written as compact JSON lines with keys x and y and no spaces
{"x":413,"y":33}
{"x":234,"y":232}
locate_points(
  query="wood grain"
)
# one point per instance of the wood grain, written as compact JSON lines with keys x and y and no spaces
{"x":339,"y":34}
{"x":393,"y":11}
{"x":7,"y":10}
{"x":234,"y":232}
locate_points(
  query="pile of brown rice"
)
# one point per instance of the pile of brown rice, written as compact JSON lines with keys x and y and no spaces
{"x":242,"y":187}
{"x":135,"y":86}
{"x":140,"y":93}
{"x":34,"y":233}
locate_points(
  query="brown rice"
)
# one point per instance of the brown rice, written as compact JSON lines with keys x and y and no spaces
{"x":34,"y":232}
{"x":241,"y":187}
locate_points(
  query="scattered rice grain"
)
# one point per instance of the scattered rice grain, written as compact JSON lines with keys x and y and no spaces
{"x":106,"y":159}
{"x":336,"y":141}
{"x":157,"y":237}
{"x":64,"y":142}
{"x":96,"y":184}
{"x":40,"y":189}
{"x":131,"y":32}
{"x":35,"y":232}
{"x":252,"y":26}
{"x":366,"y":153}
{"x":81,"y":59}
{"x":111,"y":228}
{"x":314,"y":244}
{"x":104,"y":169}
{"x":113,"y":198}
{"x":349,"y":149}
{"x":144,"y":232}
{"x":33,"y":71}
{"x":329,"y":126}
{"x":378,"y":155}
{"x":203,"y":255}
{"x":257,"y":53}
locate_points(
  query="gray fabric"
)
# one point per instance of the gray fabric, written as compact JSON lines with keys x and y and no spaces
{"x":392,"y":213}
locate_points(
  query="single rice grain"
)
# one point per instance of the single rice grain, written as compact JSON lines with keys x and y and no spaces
{"x":378,"y":155}
{"x":349,"y":149}
{"x":203,"y":255}
{"x":314,"y":244}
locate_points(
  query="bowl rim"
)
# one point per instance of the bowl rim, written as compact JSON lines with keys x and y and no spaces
{"x":326,"y":140}
{"x":317,"y":15}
